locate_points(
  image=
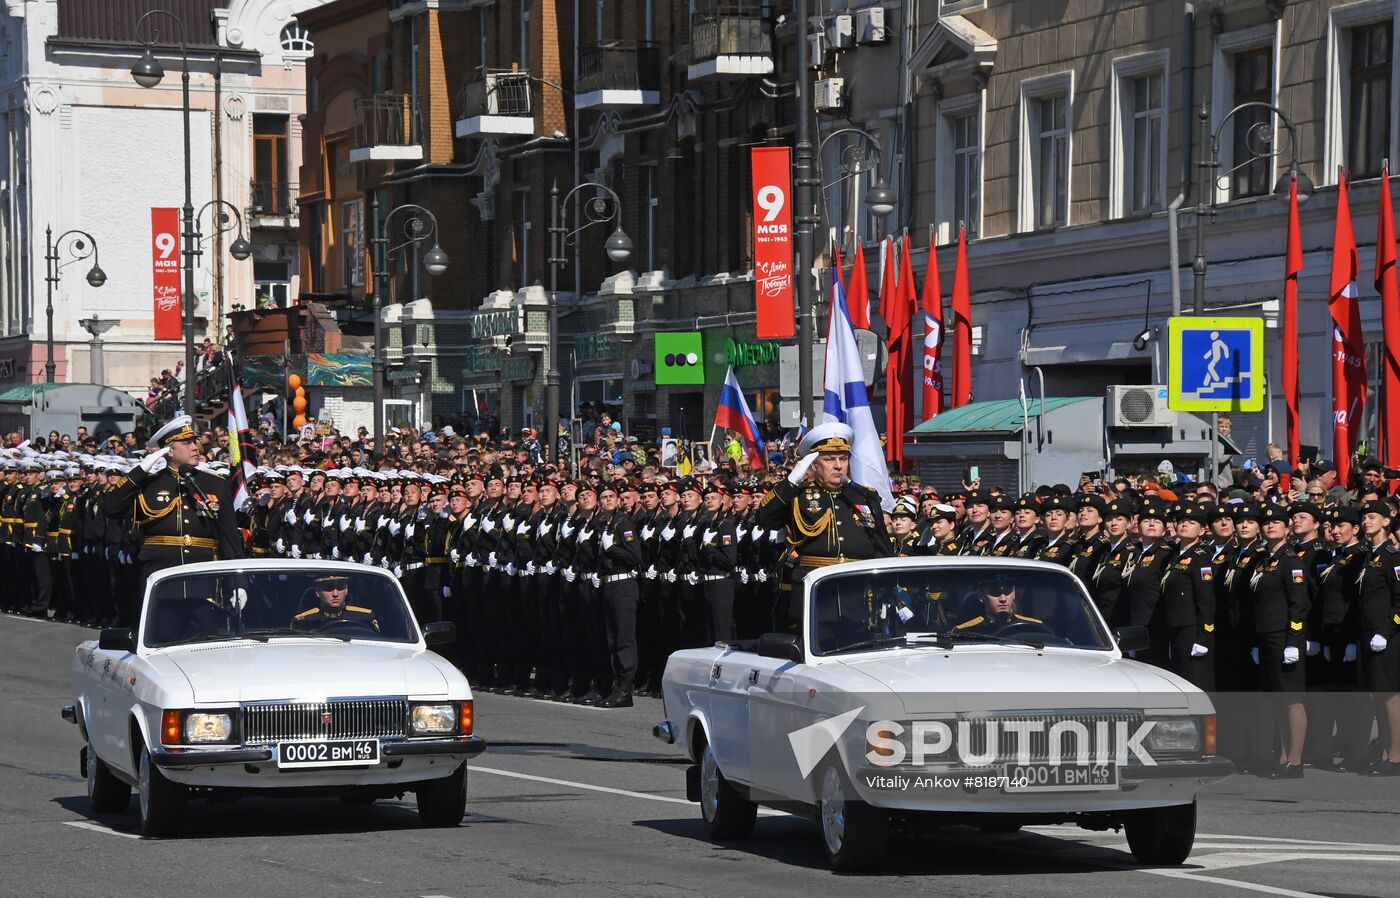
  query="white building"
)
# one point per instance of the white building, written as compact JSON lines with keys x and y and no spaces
{"x":86,"y":148}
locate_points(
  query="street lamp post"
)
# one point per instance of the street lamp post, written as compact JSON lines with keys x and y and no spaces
{"x":880,"y":200}
{"x":420,"y":226}
{"x":599,"y":210}
{"x":80,"y":246}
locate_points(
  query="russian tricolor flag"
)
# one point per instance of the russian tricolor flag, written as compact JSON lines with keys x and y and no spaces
{"x":733,"y":414}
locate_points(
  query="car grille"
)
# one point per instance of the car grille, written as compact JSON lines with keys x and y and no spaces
{"x":348,"y":719}
{"x":1008,"y":742}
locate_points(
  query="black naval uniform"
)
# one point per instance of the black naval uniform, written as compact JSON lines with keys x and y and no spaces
{"x":180,"y":518}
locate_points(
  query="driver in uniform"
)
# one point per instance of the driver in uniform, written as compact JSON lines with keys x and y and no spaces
{"x":333,"y":604}
{"x":998,"y":595}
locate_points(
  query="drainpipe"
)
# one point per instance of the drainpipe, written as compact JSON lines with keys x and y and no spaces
{"x":1187,"y":103}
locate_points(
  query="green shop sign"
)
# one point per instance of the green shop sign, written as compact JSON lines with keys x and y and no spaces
{"x":680,"y":358}
{"x":741,"y":354}
{"x":495,"y":323}
{"x":596,"y":348}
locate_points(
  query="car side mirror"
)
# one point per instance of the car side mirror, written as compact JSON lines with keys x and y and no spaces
{"x":780,"y":645}
{"x":117,"y":639}
{"x":442,"y":632}
{"x":1132,"y":639}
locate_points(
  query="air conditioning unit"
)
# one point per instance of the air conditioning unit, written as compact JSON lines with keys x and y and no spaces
{"x":870,"y":26}
{"x":819,"y":50}
{"x":830,"y":94}
{"x":1139,"y":406}
{"x":841,"y":32}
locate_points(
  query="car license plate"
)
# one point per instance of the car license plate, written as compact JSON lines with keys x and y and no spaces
{"x":332,"y":753}
{"x":1061,"y":777}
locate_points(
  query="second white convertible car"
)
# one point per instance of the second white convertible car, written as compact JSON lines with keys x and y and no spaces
{"x":274,"y":678}
{"x":964,"y":690}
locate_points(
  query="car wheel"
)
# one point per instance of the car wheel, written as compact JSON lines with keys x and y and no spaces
{"x":105,"y":791}
{"x":1161,"y":836}
{"x":854,"y":834}
{"x":728,"y":815}
{"x":162,"y":801}
{"x":443,"y":802}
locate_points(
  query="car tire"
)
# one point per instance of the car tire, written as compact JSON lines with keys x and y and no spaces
{"x":443,"y":802}
{"x":854,"y":834}
{"x":728,"y":815}
{"x":1161,"y":836}
{"x":161,"y":801}
{"x":106,"y":793}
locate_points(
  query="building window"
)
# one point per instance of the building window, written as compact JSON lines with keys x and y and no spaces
{"x":296,"y":40}
{"x":352,"y":256}
{"x":271,"y":285}
{"x":1149,"y":117}
{"x":1137,"y":169}
{"x":1252,"y":128}
{"x":1368,"y":122}
{"x":523,"y":228}
{"x":1050,"y":161}
{"x":271,"y":190}
{"x":967,"y":172}
{"x":525,"y":35}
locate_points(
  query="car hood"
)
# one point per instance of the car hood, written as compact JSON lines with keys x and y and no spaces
{"x":998,"y":678}
{"x":299,"y":670}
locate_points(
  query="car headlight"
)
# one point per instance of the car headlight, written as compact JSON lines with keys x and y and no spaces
{"x":438,"y":719}
{"x":202,"y":726}
{"x":1174,"y":735}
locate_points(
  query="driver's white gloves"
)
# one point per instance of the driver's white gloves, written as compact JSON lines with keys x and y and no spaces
{"x":1198,"y":650}
{"x":1378,"y":643}
{"x":1290,"y":654}
{"x":1313,"y":648}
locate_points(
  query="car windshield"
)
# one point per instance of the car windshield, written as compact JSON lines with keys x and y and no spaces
{"x":950,"y":606}
{"x":264,"y":605}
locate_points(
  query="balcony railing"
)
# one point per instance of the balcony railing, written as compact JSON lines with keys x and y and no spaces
{"x":734,"y":29}
{"x":387,"y":127}
{"x":272,"y":198}
{"x":495,"y":103}
{"x":618,"y":66}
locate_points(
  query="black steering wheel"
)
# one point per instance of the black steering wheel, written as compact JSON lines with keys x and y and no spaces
{"x":343,"y":624}
{"x":1025,"y":629}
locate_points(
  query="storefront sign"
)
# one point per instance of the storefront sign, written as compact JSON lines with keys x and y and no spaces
{"x":518,"y":367}
{"x":7,"y":369}
{"x":680,"y":358}
{"x":482,"y":358}
{"x":165,"y":272}
{"x":495,"y":323}
{"x":741,"y":354}
{"x":772,"y":241}
{"x":593,"y":348}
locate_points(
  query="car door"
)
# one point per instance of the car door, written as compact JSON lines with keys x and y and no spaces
{"x":781,"y":712}
{"x":729,"y":713}
{"x":107,"y":709}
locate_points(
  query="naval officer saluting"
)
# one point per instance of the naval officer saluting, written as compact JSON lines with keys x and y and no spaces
{"x":181,"y":515}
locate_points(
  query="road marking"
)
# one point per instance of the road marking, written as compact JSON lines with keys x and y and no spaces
{"x":99,"y":828}
{"x":763,"y":812}
{"x":1238,"y":884}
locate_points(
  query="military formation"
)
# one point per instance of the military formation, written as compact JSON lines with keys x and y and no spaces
{"x":578,"y":589}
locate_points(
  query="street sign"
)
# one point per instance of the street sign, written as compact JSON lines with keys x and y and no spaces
{"x":1215,"y":364}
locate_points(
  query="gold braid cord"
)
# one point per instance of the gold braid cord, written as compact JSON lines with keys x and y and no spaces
{"x":813,"y":530}
{"x":151,"y":515}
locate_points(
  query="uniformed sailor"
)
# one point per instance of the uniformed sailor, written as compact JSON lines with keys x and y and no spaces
{"x":333,"y":604}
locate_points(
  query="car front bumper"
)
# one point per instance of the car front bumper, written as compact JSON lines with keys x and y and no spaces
{"x":467,"y":747}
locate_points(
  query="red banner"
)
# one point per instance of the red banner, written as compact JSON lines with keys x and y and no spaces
{"x":772,"y":241}
{"x":165,"y":272}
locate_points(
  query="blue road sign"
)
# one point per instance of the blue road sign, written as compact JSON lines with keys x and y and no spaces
{"x":1216,"y":364}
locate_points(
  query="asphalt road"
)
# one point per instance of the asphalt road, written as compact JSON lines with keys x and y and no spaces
{"x":575,"y":801}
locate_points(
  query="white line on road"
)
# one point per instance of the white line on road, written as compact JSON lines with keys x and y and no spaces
{"x":98,"y":828}
{"x":1235,"y":883}
{"x":592,"y":788}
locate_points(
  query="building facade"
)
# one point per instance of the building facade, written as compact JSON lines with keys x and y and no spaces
{"x":87,"y":148}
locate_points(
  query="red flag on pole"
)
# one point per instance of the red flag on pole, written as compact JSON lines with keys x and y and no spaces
{"x":1348,"y":348}
{"x":858,"y":296}
{"x":962,"y":328}
{"x":908,"y":304}
{"x":897,"y":313}
{"x":1389,"y":289}
{"x":1293,"y":264}
{"x":933,"y":336}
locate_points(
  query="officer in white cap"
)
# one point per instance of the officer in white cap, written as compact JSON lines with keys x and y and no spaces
{"x":829,"y":518}
{"x":181,"y":514}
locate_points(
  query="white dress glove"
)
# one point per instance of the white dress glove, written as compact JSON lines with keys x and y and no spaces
{"x":291,"y":516}
{"x":668,"y":533}
{"x":523,"y":529}
{"x":510,"y":568}
{"x":280,"y":547}
{"x":335,"y":552}
{"x":394,"y":527}
{"x":1349,"y":653}
{"x":761,"y":576}
{"x":307,"y":517}
{"x":905,"y":615}
{"x":447,"y":592}
{"x":359,"y":525}
{"x":455,"y":556}
{"x":708,"y":536}
{"x":569,"y":574}
{"x":1290,"y":654}
{"x":1327,"y":653}
{"x":469,"y":522}
{"x":545,"y":527}
{"x":410,"y":529}
{"x":530,"y":569}
{"x":367,"y":559}
{"x":1198,"y":650}
{"x":398,"y":570}
{"x":1378,"y":643}
{"x":344,"y":522}
{"x":566,"y":529}
{"x":596,"y":581}
{"x":1313,"y":648}
{"x":692,"y":578}
{"x":651,"y":572}
{"x":1254,"y":654}
{"x":471,"y":560}
{"x":296,"y":550}
{"x":743,"y":575}
{"x":491,"y":559}
{"x":508,"y":523}
{"x":799,"y":470}
{"x":688,"y":531}
{"x":155,"y":462}
{"x":607,"y":540}
{"x":549,"y":568}
{"x":775,"y":536}
{"x":487,"y":525}
{"x":648,"y":532}
{"x":670,"y":576}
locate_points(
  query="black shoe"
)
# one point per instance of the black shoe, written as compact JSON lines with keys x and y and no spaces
{"x":1384,"y":768}
{"x":1352,"y":765}
{"x":1264,"y":767}
{"x":591,"y":697}
{"x":617,"y":700}
{"x":1288,"y":772}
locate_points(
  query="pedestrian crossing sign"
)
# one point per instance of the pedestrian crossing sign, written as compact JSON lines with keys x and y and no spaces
{"x":1215,"y":364}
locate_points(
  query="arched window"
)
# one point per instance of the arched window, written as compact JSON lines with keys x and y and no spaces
{"x":296,"y":40}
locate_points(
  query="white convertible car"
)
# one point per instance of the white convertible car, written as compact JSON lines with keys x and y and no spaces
{"x":274,"y":678}
{"x":967,"y":690}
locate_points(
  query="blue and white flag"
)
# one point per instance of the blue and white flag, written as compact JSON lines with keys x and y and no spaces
{"x":846,"y":400}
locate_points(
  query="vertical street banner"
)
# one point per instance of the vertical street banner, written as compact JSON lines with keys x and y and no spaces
{"x":772,"y":241}
{"x":165,"y":272}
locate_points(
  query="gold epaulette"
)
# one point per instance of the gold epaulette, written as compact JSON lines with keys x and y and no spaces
{"x":971,"y":623}
{"x":307,"y":613}
{"x":358,"y":608}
